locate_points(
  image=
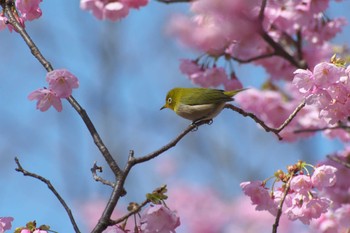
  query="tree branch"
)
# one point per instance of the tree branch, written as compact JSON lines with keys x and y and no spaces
{"x":134,"y":211}
{"x":96,"y":177}
{"x":322,"y":129}
{"x":53,"y":190}
{"x":337,"y":160}
{"x":276,"y":131}
{"x":253,"y":58}
{"x":280,"y":205}
{"x":36,"y":52}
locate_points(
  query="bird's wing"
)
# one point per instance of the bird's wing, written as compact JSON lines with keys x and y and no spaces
{"x":206,"y":96}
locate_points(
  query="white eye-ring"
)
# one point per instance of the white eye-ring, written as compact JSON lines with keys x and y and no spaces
{"x":170,"y":100}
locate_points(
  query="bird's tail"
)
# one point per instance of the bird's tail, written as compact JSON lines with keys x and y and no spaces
{"x":234,"y":92}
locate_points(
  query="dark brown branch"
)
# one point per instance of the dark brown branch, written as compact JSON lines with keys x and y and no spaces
{"x":280,"y":205}
{"x":337,"y":160}
{"x":96,"y":177}
{"x":253,"y":58}
{"x":134,"y":211}
{"x":33,"y":48}
{"x":53,"y":190}
{"x":276,"y":131}
{"x":96,"y":137}
{"x":171,"y":144}
{"x":322,"y":129}
{"x":262,"y":11}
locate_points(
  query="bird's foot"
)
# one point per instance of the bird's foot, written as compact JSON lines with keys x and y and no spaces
{"x":197,"y":123}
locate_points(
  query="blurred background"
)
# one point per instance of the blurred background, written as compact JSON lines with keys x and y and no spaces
{"x":125,"y":70}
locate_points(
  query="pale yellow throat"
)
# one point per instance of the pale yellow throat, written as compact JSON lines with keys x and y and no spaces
{"x":199,"y":112}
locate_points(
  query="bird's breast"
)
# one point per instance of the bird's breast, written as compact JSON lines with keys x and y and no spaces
{"x":199,"y":112}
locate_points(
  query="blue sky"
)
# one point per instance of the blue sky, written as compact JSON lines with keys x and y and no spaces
{"x":125,"y":70}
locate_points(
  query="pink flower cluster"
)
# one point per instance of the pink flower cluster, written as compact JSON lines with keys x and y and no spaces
{"x":210,"y":30}
{"x":5,"y":224}
{"x":61,"y":82}
{"x":35,"y":231}
{"x":328,"y":88}
{"x":209,"y":76}
{"x":29,"y":10}
{"x":111,"y":9}
{"x":158,"y":218}
{"x":337,"y":218}
{"x":303,"y":201}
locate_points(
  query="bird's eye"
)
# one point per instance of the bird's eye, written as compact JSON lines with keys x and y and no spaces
{"x":170,"y":100}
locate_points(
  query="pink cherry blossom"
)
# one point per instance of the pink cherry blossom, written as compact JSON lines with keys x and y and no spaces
{"x":158,"y":218}
{"x":111,"y":9}
{"x":62,"y":82}
{"x":115,"y":229}
{"x":303,"y":80}
{"x":327,"y":88}
{"x":29,"y":9}
{"x":46,"y":98}
{"x":324,"y":176}
{"x":25,"y":231}
{"x":203,"y":76}
{"x":258,"y":194}
{"x":104,"y":9}
{"x":5,"y":223}
{"x":301,"y":184}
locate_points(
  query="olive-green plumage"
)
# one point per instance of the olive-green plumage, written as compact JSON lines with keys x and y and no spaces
{"x":198,"y":104}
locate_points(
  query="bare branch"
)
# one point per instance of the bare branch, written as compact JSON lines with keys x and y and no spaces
{"x":253,"y":58}
{"x":262,"y":11}
{"x":53,"y":190}
{"x":262,"y":123}
{"x":33,"y":48}
{"x":171,"y":144}
{"x":336,"y":159}
{"x":96,"y":177}
{"x":322,"y":129}
{"x":134,"y":211}
{"x":280,"y":205}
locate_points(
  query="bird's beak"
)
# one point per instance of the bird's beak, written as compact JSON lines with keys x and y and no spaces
{"x":162,"y":107}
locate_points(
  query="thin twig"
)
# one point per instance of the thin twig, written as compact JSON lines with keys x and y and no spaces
{"x":248,"y":60}
{"x":134,"y":211}
{"x":53,"y":190}
{"x":322,"y":129}
{"x":280,"y":205}
{"x":171,"y":144}
{"x":336,"y":159}
{"x":36,"y":52}
{"x":291,"y":116}
{"x":96,"y":177}
{"x":267,"y":128}
{"x":33,"y":48}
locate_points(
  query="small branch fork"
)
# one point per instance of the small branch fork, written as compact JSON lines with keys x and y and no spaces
{"x":53,"y":190}
{"x":276,"y":131}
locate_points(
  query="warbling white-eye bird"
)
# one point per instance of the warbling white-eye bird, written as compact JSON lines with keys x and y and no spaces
{"x":198,"y":104}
